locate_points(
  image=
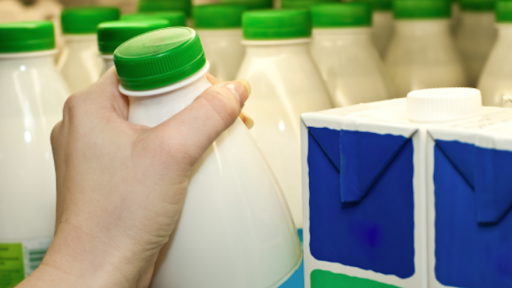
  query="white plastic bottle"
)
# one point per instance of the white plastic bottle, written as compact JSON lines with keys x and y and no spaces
{"x":32,"y":97}
{"x":79,"y":62}
{"x":382,"y":24}
{"x":154,"y":6}
{"x":475,"y":36}
{"x":286,"y":83}
{"x":175,"y":18}
{"x":422,"y":53}
{"x":113,"y":33}
{"x":219,"y":27}
{"x":235,"y":229}
{"x":345,"y":54}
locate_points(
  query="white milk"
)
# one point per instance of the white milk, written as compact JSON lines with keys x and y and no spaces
{"x":32,"y":97}
{"x":422,"y":55}
{"x":389,"y":197}
{"x":350,"y":65}
{"x":474,"y":38}
{"x":235,"y":229}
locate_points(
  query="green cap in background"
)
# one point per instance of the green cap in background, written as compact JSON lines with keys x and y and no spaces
{"x":276,"y":24}
{"x":27,"y":36}
{"x":114,"y":33}
{"x":341,"y":15}
{"x":477,"y":5}
{"x":303,"y":4}
{"x":504,"y":12}
{"x":85,"y":20}
{"x":378,"y":5}
{"x":218,"y":16}
{"x":175,"y":18}
{"x":252,"y":4}
{"x":159,"y":58}
{"x":165,"y":5}
{"x":421,"y":9}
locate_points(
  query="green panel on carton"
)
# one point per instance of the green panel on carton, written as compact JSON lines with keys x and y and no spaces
{"x":326,"y":279}
{"x":12,"y":269}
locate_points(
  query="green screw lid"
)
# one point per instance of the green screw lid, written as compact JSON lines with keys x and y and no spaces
{"x":85,"y":20}
{"x":378,"y":5}
{"x":218,"y":16}
{"x":504,"y":12}
{"x":303,"y":4}
{"x":341,"y":15}
{"x":114,"y":33}
{"x":175,"y":18}
{"x":27,"y":36}
{"x":477,"y":5}
{"x":165,"y":5}
{"x":252,"y":4}
{"x":159,"y":58}
{"x":276,"y":24}
{"x":421,"y":9}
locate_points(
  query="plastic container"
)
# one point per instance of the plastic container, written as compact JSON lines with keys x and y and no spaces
{"x":114,"y":33}
{"x":382,"y":27}
{"x":175,"y":18}
{"x":410,"y":193}
{"x":184,"y":6}
{"x":422,"y":53}
{"x":286,"y":83}
{"x":31,"y":102}
{"x":344,"y":52}
{"x":496,"y":79}
{"x":79,"y":62}
{"x":219,"y":27}
{"x":235,"y":229}
{"x":475,"y":36}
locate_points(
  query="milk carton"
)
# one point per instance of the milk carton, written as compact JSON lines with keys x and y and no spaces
{"x":408,"y":193}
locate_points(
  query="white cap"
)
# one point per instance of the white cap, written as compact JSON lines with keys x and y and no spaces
{"x":443,"y":104}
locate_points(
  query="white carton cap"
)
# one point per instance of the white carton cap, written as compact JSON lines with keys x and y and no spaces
{"x":443,"y":104}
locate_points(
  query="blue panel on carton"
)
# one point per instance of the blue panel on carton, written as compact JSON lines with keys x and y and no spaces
{"x":468,"y":253}
{"x":376,"y":233}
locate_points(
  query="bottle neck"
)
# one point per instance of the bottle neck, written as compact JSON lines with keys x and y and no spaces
{"x":27,"y":59}
{"x":152,"y":107}
{"x":352,"y":35}
{"x":504,"y":32}
{"x":422,"y":27}
{"x":277,"y":47}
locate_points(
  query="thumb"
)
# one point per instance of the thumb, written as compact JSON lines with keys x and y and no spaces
{"x":193,"y":130}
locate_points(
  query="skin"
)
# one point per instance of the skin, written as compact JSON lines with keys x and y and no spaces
{"x":121,"y":186}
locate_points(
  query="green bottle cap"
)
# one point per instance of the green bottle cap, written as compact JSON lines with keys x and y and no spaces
{"x":378,"y":5}
{"x":504,"y":12}
{"x":175,"y":18}
{"x":276,"y":24}
{"x":159,"y":58}
{"x":341,"y":15}
{"x":218,"y":16}
{"x":114,"y":33}
{"x":252,"y":4}
{"x":28,"y":36}
{"x":477,"y":5}
{"x":421,"y":9}
{"x":85,"y":20}
{"x":165,"y":5}
{"x":303,"y":4}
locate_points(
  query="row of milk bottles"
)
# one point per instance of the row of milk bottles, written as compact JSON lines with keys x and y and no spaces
{"x":292,"y":68}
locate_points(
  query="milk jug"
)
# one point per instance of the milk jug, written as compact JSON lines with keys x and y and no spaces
{"x":219,"y":27}
{"x":345,"y":54}
{"x":286,"y":83}
{"x":32,"y":97}
{"x":410,"y":193}
{"x":184,"y":6}
{"x":175,"y":18}
{"x":475,"y":35}
{"x":252,"y":4}
{"x":235,"y":229}
{"x":422,"y":53}
{"x":382,"y":27}
{"x":113,"y":33}
{"x":495,"y":81}
{"x":79,"y":62}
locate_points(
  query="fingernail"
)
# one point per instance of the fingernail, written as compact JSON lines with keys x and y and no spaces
{"x":240,"y":88}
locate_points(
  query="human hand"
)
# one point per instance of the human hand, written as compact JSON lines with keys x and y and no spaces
{"x":121,"y":186}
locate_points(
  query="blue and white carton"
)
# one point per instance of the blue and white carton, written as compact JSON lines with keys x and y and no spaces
{"x":410,"y":193}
